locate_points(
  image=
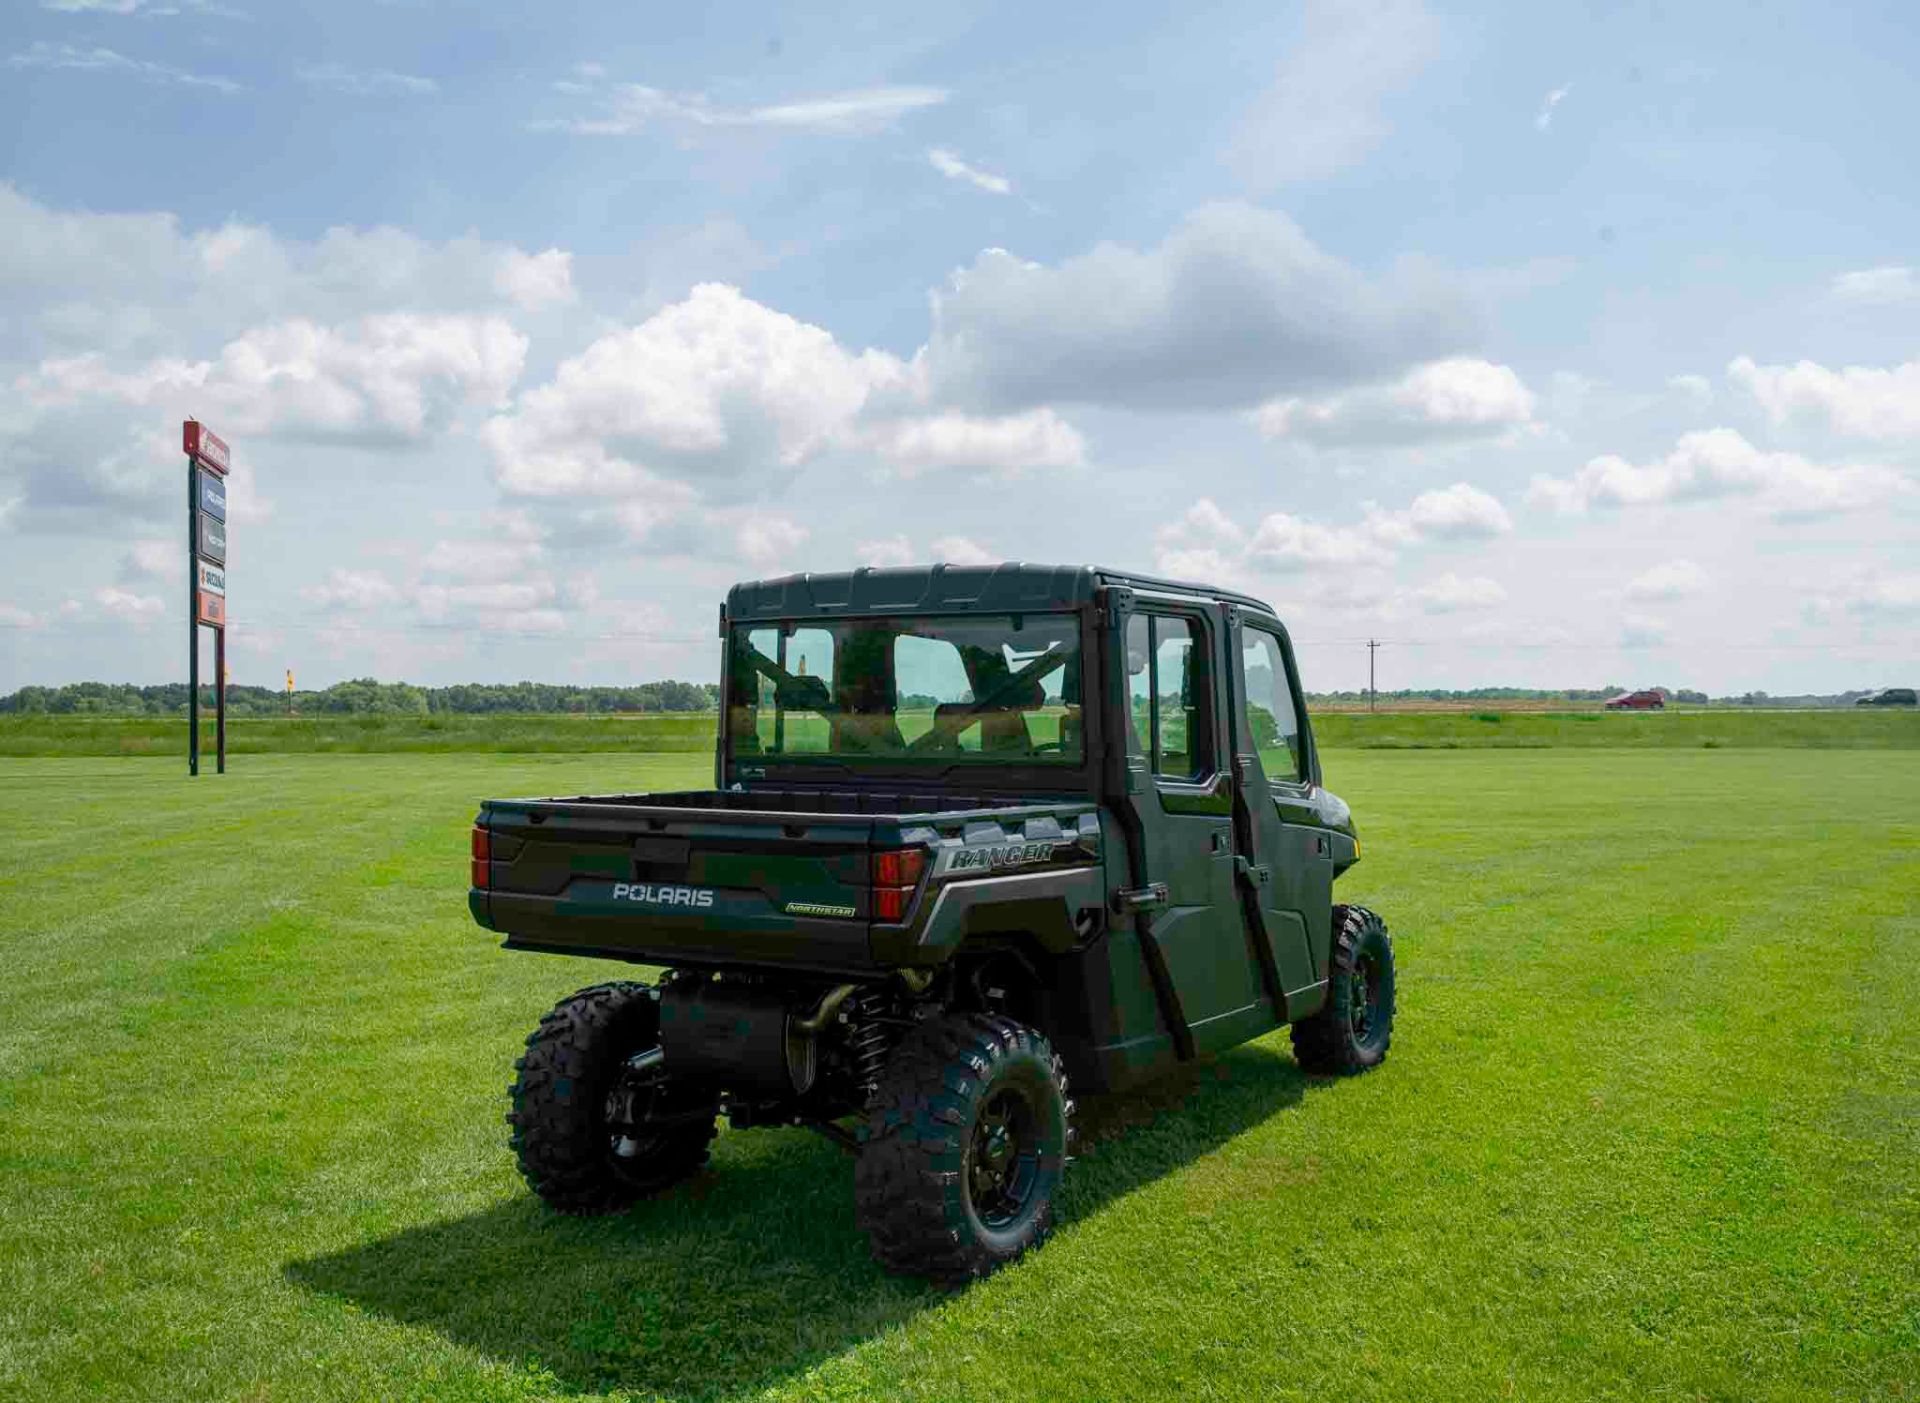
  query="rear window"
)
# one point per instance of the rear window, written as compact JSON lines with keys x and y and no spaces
{"x":984,"y":688}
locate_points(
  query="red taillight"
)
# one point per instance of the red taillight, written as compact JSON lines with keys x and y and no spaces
{"x":896,"y":874}
{"x":482,"y":858}
{"x":899,"y":868}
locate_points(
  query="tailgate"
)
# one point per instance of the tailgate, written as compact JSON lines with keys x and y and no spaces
{"x":675,"y":884}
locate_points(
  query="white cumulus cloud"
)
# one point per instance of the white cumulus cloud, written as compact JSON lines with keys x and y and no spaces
{"x":1456,"y":398}
{"x":709,"y":390}
{"x":75,"y":281}
{"x":1235,"y":307}
{"x":396,"y":374}
{"x":1859,"y":401}
{"x":1715,"y":464}
{"x":1207,"y":543}
{"x":1457,"y":512}
{"x":535,"y":280}
{"x":1038,"y":438}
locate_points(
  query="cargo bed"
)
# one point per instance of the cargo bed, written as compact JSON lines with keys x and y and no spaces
{"x":722,"y":878}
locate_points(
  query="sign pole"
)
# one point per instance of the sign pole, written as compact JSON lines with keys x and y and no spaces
{"x":193,"y":626}
{"x":220,"y":700}
{"x":208,"y":462}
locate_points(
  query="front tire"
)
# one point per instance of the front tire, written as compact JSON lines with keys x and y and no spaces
{"x":1354,"y":1028}
{"x":597,"y":1120}
{"x":964,"y":1148}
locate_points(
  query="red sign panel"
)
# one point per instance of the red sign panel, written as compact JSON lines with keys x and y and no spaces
{"x":210,"y":608}
{"x":205,"y":447}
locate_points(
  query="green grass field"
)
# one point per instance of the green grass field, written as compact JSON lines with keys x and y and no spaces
{"x":690,"y":732}
{"x":1650,"y":1128}
{"x":654,"y":733}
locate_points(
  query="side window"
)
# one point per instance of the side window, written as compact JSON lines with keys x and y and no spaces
{"x":1270,"y":714}
{"x":1168,"y":695}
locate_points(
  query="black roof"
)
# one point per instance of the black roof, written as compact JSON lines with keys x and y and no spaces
{"x":1011,"y":587}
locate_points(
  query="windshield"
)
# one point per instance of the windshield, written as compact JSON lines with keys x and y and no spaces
{"x":989,"y":688}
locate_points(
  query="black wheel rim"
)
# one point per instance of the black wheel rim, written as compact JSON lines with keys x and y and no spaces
{"x":1003,"y":1157}
{"x":1363,"y":999}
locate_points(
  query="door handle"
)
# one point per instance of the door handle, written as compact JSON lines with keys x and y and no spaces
{"x":1146,"y":898}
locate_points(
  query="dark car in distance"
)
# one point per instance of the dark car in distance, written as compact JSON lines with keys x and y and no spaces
{"x":1890,"y":696}
{"x":1649,"y":699}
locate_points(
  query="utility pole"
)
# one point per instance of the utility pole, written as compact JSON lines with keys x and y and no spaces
{"x":1373,"y":646}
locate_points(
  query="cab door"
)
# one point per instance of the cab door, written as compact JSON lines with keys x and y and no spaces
{"x":1183,"y":796}
{"x":1285,"y":869}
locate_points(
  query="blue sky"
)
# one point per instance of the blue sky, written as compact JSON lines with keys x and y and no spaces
{"x":1556,"y":346}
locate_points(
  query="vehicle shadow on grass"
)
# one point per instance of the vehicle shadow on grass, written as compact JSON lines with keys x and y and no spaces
{"x":753,"y":1272}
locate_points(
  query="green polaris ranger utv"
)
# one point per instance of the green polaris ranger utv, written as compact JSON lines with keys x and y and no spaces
{"x":976,"y":836}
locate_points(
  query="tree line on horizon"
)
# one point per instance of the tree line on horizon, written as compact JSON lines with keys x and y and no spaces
{"x":368,"y":696}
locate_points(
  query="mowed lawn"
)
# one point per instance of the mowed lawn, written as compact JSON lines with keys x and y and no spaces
{"x":1650,"y":1128}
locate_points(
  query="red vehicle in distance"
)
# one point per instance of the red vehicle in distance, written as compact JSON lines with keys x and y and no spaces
{"x":1651,"y":699}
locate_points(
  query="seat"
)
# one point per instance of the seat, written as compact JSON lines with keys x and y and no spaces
{"x":1072,"y":731}
{"x":866,"y":733}
{"x":1004,"y":733}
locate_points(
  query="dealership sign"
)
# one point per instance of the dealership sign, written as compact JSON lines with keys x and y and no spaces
{"x":213,"y":497}
{"x":213,"y":539}
{"x":208,"y":462}
{"x":205,"y":447}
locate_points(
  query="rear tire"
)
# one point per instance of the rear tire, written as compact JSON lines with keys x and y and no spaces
{"x":1354,"y":1028}
{"x":597,"y":1122}
{"x":963,"y":1149}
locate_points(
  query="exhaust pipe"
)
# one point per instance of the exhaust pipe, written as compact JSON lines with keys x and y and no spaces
{"x":742,"y":1037}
